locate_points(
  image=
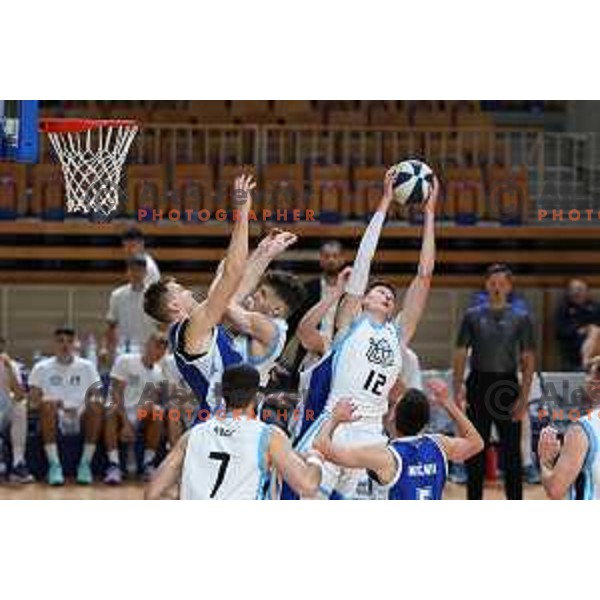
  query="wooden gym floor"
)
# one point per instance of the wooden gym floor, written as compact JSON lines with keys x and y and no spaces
{"x":135,"y":491}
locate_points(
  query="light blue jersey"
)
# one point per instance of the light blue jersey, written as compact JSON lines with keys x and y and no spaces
{"x":263,"y":364}
{"x":587,"y":484}
{"x":363,"y":364}
{"x":203,"y":372}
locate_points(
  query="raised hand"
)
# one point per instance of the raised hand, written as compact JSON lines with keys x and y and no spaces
{"x":388,"y":186}
{"x":548,"y":446}
{"x":242,"y":188}
{"x":277,"y":241}
{"x":342,"y":280}
{"x":439,"y":393}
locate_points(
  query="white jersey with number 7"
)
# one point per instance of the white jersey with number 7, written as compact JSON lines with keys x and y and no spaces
{"x":226,"y":459}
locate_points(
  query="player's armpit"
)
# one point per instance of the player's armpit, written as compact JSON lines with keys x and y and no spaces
{"x":168,"y":474}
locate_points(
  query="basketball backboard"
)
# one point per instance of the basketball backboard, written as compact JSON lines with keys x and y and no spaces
{"x":19,"y":130}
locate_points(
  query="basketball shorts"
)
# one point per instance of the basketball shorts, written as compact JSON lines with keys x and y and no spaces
{"x":341,"y":483}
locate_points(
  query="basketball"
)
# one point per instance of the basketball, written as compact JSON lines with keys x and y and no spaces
{"x":413,"y":180}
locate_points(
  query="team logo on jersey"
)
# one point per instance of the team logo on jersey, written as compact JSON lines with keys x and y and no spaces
{"x":380,"y":352}
{"x":56,"y":379}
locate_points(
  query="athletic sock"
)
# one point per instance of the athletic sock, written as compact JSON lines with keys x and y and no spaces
{"x":52,"y":453}
{"x":113,"y":457}
{"x":88,"y":453}
{"x":18,"y":456}
{"x":18,"y":432}
{"x":149,"y":456}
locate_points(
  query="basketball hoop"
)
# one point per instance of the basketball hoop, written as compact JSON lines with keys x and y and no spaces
{"x":92,"y":154}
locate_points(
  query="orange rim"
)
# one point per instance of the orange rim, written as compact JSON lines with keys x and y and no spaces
{"x":80,"y":125}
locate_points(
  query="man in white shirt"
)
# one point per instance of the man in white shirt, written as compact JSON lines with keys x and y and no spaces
{"x":133,"y":244}
{"x":68,"y":391}
{"x":128,"y":326}
{"x":13,"y":415}
{"x":136,"y":381}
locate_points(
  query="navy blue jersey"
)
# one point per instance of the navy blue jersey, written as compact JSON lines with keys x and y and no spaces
{"x":422,"y":469}
{"x":203,"y":372}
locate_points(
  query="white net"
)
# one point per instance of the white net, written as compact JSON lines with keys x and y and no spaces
{"x":92,"y":162}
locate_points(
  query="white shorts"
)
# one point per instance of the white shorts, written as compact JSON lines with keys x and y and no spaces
{"x":340,"y":482}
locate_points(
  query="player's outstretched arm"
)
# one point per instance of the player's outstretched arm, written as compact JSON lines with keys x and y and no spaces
{"x":275,"y":243}
{"x":165,"y":481}
{"x":302,"y":475}
{"x":560,"y":466}
{"x":359,"y":280}
{"x":376,"y":458}
{"x":308,"y":329}
{"x":467,"y":442}
{"x":256,"y":325}
{"x":210,"y":312}
{"x":418,"y":291}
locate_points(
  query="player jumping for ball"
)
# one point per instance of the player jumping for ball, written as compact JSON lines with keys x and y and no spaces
{"x":365,"y":360}
{"x":262,"y":303}
{"x":200,"y":345}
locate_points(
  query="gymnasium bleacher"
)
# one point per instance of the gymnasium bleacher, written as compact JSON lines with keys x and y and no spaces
{"x":493,"y":159}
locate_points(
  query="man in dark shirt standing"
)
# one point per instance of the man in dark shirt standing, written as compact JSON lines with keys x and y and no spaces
{"x":501,"y":342}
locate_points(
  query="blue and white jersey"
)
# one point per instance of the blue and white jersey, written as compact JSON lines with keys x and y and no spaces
{"x":363,"y":364}
{"x":587,"y":484}
{"x":226,"y":459}
{"x":202,"y":372}
{"x":263,"y":364}
{"x":422,"y":469}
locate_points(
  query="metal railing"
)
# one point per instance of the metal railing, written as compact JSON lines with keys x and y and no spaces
{"x":563,"y":168}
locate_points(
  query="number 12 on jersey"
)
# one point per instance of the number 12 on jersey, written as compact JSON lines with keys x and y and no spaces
{"x":374,"y":383}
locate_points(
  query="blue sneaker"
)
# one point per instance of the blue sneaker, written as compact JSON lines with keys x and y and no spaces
{"x":84,"y":473}
{"x":55,"y":474}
